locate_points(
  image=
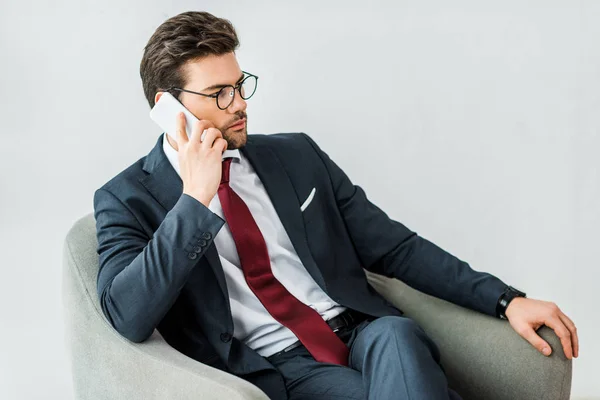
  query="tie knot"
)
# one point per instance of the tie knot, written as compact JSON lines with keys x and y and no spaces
{"x":225,"y":172}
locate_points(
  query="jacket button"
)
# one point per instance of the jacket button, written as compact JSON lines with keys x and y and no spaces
{"x":201,"y":242}
{"x":206,"y":236}
{"x":192,"y":256}
{"x":197,"y":249}
{"x":225,"y":337}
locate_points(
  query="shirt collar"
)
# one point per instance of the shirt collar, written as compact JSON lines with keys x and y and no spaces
{"x":171,"y":154}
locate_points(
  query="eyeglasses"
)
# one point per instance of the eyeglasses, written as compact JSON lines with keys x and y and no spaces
{"x":224,"y":97}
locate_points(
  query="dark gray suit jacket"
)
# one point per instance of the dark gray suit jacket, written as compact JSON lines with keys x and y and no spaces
{"x":160,"y":269}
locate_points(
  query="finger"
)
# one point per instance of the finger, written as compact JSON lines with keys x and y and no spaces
{"x":221,"y":144}
{"x":212,"y":134}
{"x":536,"y":341}
{"x":563,"y":333}
{"x":181,"y":135}
{"x":573,"y":329}
{"x":198,"y":128}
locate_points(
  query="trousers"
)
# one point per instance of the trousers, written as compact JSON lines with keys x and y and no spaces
{"x":390,"y":358}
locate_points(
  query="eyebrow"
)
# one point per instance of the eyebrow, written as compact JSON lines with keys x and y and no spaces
{"x":222,"y":85}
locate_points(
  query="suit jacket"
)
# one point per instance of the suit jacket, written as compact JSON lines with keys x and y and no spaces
{"x":160,"y":269}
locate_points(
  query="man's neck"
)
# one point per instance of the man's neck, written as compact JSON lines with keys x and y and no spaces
{"x":172,"y":142}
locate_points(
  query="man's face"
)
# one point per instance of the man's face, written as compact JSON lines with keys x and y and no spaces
{"x":207,"y":76}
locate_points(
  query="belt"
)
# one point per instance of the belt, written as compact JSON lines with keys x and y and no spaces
{"x":346,"y":319}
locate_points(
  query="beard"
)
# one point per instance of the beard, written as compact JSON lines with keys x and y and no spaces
{"x":236,"y":139}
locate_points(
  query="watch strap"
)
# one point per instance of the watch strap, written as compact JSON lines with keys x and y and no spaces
{"x":507,"y":296}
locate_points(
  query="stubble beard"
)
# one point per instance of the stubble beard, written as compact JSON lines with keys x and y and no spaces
{"x":236,"y":139}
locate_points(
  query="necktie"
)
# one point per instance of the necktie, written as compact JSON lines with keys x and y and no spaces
{"x":308,"y":326}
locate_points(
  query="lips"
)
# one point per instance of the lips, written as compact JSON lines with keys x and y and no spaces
{"x":239,"y":124}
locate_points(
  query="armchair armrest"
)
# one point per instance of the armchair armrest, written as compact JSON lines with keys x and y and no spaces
{"x":105,"y":365}
{"x":119,"y":369}
{"x":484,"y":358}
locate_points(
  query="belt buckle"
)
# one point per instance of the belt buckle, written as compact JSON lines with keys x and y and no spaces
{"x":347,"y":318}
{"x":292,"y":346}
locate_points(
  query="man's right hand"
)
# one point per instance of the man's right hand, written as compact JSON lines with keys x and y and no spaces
{"x":200,"y":161}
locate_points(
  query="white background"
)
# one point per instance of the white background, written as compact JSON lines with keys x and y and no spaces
{"x":474,"y":123}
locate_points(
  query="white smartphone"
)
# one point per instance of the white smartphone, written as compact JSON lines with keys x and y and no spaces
{"x":165,"y":113}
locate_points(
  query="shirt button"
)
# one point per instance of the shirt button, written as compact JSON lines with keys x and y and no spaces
{"x":192,"y":256}
{"x":197,"y":249}
{"x":206,"y":236}
{"x":225,"y":337}
{"x":201,"y":242}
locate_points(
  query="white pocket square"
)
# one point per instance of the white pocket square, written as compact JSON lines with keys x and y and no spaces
{"x":308,"y":200}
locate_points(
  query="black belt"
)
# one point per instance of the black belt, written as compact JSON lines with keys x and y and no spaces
{"x":347,"y":319}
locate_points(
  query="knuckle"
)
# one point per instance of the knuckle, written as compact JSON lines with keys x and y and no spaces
{"x":563,"y":333}
{"x":521,"y":330}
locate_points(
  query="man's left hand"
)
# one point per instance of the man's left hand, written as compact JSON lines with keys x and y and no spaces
{"x":526,"y":316}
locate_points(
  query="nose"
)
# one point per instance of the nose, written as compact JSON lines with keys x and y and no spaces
{"x":238,"y":103}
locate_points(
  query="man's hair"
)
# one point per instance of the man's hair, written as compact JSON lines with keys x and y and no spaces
{"x":188,"y":36}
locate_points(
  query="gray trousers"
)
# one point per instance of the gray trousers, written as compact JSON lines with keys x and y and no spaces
{"x":390,"y":358}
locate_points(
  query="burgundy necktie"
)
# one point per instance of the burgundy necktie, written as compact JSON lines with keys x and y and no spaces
{"x":308,"y":326}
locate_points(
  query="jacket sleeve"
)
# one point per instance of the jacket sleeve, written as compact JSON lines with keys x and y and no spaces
{"x":389,"y":248}
{"x":140,"y":277}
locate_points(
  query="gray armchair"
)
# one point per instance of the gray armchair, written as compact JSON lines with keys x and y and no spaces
{"x":483,"y":357}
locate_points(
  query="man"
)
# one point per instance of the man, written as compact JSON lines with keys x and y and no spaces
{"x":247,"y":252}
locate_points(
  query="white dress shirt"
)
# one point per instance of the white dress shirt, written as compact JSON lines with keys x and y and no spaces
{"x":252,"y":323}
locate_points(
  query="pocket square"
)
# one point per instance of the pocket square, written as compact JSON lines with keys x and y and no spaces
{"x":308,"y":200}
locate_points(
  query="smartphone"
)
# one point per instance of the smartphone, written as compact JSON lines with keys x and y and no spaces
{"x":165,"y":113}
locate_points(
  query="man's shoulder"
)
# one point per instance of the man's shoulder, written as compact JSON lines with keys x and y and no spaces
{"x":275,"y":138}
{"x":132,"y":176}
{"x":282,"y":142}
{"x":127,"y":179}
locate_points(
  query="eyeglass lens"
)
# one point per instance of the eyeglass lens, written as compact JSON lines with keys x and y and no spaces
{"x":247,"y":88}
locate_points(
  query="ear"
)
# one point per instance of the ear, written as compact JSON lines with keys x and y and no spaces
{"x":157,"y":96}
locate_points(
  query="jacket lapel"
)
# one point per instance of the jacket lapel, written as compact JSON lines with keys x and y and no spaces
{"x":166,"y":186}
{"x":285,"y":200}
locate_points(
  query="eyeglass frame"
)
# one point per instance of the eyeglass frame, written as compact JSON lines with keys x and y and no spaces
{"x":216,"y":95}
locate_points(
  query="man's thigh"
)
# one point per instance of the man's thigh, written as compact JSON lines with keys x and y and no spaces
{"x":306,"y":378}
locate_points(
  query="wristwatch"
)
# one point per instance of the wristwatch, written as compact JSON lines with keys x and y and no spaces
{"x":509,"y":294}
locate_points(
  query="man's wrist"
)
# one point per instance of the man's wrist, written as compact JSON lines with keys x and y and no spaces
{"x":505,"y":299}
{"x":202,"y":198}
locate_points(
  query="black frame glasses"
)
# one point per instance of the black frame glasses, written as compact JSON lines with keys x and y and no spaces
{"x":232,"y":90}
